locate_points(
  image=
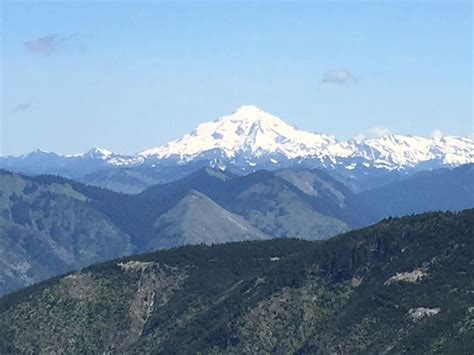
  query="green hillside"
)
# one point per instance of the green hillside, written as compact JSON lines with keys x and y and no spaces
{"x":46,"y":230}
{"x":401,"y":286}
{"x":196,"y":219}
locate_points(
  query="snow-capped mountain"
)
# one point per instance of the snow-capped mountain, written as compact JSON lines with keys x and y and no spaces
{"x":43,"y":162}
{"x":109,"y":157}
{"x":395,"y":152}
{"x":249,"y":139}
{"x":252,"y":136}
{"x":248,"y":130}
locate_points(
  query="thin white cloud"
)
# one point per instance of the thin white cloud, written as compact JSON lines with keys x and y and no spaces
{"x":373,"y":132}
{"x":437,"y":134}
{"x":339,"y":76}
{"x":379,"y":131}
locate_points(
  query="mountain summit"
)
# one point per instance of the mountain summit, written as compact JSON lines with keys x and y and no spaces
{"x":247,"y":130}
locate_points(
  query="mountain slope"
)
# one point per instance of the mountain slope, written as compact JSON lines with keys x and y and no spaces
{"x":274,"y":205}
{"x":48,"y":230}
{"x":279,"y":208}
{"x":196,"y":219}
{"x":136,"y":179}
{"x":402,"y":286}
{"x":329,"y":196}
{"x":442,"y":190}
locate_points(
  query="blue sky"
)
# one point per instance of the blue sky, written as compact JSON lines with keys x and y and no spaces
{"x":128,"y":75}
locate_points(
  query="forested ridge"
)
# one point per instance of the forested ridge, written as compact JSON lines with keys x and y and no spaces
{"x":403,"y":285}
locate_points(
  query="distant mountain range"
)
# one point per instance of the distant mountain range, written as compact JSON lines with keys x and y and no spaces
{"x":403,"y":286}
{"x":248,"y":140}
{"x":438,"y":190}
{"x":50,"y":225}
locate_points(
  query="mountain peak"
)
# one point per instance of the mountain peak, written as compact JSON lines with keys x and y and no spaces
{"x":197,"y":219}
{"x":39,"y":151}
{"x":250,"y":114}
{"x":212,"y":172}
{"x":97,"y":153}
{"x":248,"y":109}
{"x":247,"y":130}
{"x":100,"y":151}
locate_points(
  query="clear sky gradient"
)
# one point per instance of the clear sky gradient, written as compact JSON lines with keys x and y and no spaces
{"x":128,"y":75}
